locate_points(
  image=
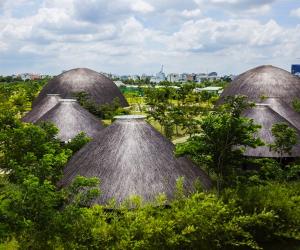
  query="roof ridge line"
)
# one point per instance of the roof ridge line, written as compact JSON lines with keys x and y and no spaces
{"x":282,"y":116}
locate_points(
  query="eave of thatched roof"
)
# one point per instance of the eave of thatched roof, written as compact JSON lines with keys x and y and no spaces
{"x":131,"y":158}
{"x":265,"y":116}
{"x":47,"y":103}
{"x":71,"y":119}
{"x":101,"y":89}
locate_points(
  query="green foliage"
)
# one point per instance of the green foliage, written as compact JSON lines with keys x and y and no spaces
{"x":31,"y":162}
{"x":174,"y":108}
{"x":78,"y":142}
{"x":223,"y":134}
{"x":296,"y":104}
{"x":285,"y":138}
{"x":32,"y":150}
{"x":282,"y":199}
{"x":262,"y":208}
{"x":105,"y":111}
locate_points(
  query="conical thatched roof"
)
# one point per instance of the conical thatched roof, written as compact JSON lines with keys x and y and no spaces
{"x":131,"y":158}
{"x":45,"y":105}
{"x":71,"y":119}
{"x":264,"y":81}
{"x":101,"y":89}
{"x":265,"y":116}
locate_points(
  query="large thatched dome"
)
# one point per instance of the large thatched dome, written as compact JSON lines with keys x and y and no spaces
{"x":265,"y":116}
{"x":264,"y":81}
{"x":131,"y":158}
{"x":44,"y":106}
{"x":101,"y":89}
{"x":71,"y":119}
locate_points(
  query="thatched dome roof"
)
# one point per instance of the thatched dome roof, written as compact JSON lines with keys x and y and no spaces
{"x":131,"y":158}
{"x":101,"y":89}
{"x":264,"y":81}
{"x":71,"y":119}
{"x":265,"y":116}
{"x":44,"y":106}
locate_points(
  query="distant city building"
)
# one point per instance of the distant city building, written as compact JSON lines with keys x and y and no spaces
{"x":106,"y":74}
{"x":191,"y":77}
{"x":173,"y":77}
{"x":183,"y":77}
{"x":201,"y":77}
{"x":295,"y":69}
{"x":35,"y":77}
{"x":134,"y":77}
{"x":213,"y":74}
{"x":29,"y":76}
{"x":144,"y":77}
{"x":160,"y":76}
{"x":123,"y":78}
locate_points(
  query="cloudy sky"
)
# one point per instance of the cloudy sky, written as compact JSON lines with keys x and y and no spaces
{"x":137,"y":36}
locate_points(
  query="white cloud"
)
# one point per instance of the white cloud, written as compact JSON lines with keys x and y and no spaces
{"x":238,"y":7}
{"x":191,"y":13}
{"x":210,"y":35}
{"x":142,"y":6}
{"x":295,"y":12}
{"x":3,"y":46}
{"x":138,"y":36}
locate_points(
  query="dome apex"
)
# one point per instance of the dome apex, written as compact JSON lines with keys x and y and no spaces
{"x":264,"y":81}
{"x":100,"y":89}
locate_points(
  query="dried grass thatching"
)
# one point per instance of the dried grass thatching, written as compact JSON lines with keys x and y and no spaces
{"x":131,"y":158}
{"x":71,"y":119}
{"x":101,"y":89}
{"x":265,"y":116}
{"x":44,"y":106}
{"x":264,"y":81}
{"x":284,"y":110}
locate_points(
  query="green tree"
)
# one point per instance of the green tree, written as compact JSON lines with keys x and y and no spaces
{"x":224,"y":133}
{"x":285,"y":139}
{"x":296,"y":104}
{"x":78,"y":142}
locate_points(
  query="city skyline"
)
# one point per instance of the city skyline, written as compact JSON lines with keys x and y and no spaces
{"x":136,"y":37}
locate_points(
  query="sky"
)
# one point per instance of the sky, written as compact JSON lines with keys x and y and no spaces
{"x":138,"y":36}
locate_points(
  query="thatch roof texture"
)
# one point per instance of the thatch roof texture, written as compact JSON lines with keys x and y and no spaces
{"x":284,"y":110}
{"x":264,"y":81}
{"x":131,"y":158}
{"x":44,"y":106}
{"x":265,"y":116}
{"x":100,"y":89}
{"x":71,"y":119}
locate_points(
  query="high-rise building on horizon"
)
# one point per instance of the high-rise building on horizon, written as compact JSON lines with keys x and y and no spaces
{"x":295,"y":69}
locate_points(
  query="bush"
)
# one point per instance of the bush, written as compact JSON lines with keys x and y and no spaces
{"x":282,"y":199}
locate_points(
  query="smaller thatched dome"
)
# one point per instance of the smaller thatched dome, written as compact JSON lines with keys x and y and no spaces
{"x":265,"y":116}
{"x":264,"y":81}
{"x":101,"y":89}
{"x":44,"y":106}
{"x":71,"y":119}
{"x":131,"y":158}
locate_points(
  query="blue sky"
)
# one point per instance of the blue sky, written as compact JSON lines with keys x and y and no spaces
{"x":137,"y":36}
